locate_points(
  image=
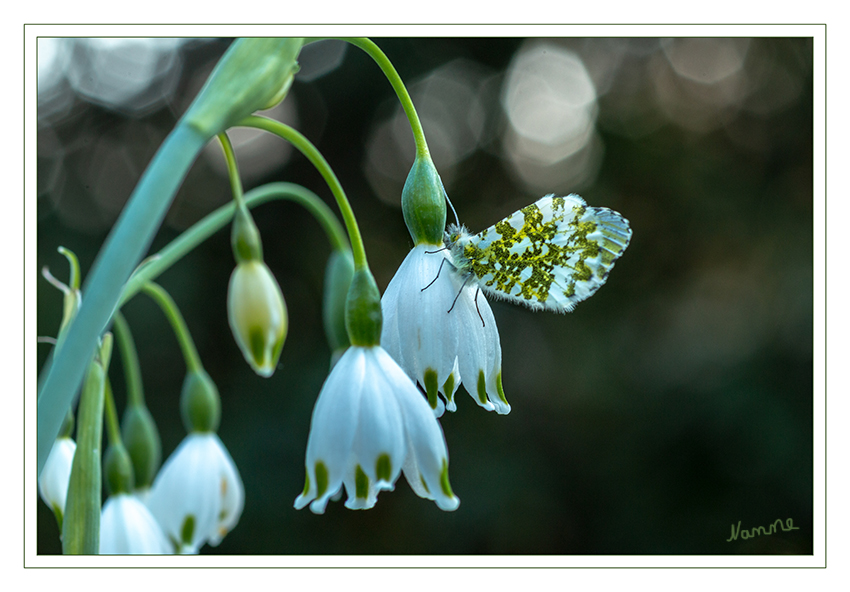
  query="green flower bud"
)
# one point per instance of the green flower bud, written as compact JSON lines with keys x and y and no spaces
{"x":423,"y":203}
{"x":338,"y":274}
{"x":363,"y":317}
{"x":253,"y":74}
{"x":199,"y":403}
{"x":257,"y":314}
{"x":143,"y":443}
{"x":119,"y":470}
{"x":245,"y":237}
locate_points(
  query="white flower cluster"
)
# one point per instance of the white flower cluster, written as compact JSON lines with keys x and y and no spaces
{"x":196,"y":498}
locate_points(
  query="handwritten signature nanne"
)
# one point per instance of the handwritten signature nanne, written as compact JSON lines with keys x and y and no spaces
{"x":748,"y":534}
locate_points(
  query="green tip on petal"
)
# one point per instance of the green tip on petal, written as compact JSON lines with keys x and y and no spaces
{"x":384,"y":468}
{"x":482,"y":388}
{"x":361,"y":483}
{"x":306,"y":483}
{"x":500,"y":389}
{"x":188,"y":530}
{"x":321,"y":472}
{"x":449,"y":387}
{"x":444,"y":480}
{"x":431,"y":386}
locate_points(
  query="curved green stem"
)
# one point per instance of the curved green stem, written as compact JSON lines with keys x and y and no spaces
{"x":181,"y":330}
{"x":74,"y":279}
{"x":232,"y":169}
{"x":130,"y":360}
{"x":389,"y":71}
{"x":317,"y":160}
{"x":218,"y":219}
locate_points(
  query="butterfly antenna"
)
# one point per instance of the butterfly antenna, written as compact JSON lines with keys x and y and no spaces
{"x":448,"y":201}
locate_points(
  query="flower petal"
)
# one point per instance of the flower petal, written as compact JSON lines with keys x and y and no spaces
{"x":198,"y":494}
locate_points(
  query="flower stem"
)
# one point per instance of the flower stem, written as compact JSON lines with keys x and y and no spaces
{"x":218,"y":219}
{"x":389,"y":71}
{"x":317,"y":160}
{"x":181,"y":330}
{"x":113,"y":430}
{"x":232,"y":169}
{"x":130,"y":360}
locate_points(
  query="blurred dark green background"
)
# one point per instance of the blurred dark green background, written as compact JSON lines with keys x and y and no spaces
{"x":674,"y":403}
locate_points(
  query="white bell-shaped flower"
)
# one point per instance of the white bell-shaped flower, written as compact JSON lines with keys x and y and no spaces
{"x":442,"y":332}
{"x":370,"y":422}
{"x":53,"y":482}
{"x":197,"y":496}
{"x":127,"y":527}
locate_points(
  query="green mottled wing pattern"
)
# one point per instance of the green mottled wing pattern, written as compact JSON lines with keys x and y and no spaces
{"x":549,"y":255}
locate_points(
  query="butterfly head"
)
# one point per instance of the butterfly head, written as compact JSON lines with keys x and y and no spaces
{"x":453,"y":233}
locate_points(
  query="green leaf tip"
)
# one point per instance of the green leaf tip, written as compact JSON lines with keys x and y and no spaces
{"x":255,"y":73}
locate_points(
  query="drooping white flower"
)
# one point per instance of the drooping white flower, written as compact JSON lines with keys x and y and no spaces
{"x":369,"y":424}
{"x":53,"y":482}
{"x":198,"y":495}
{"x":442,"y":332}
{"x":127,"y":527}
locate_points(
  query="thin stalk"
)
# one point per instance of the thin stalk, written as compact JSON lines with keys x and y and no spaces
{"x":215,"y":221}
{"x":178,"y":324}
{"x":394,"y":79}
{"x":232,"y":169}
{"x":130,"y":360}
{"x":317,"y":160}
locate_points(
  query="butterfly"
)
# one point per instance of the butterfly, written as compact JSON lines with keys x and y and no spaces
{"x":549,"y":255}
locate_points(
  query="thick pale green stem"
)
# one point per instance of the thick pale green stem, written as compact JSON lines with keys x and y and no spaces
{"x":254,"y":74}
{"x":129,"y":239}
{"x":81,"y":524}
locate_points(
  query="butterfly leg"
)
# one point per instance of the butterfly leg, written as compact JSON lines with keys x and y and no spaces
{"x":438,"y":274}
{"x":458,"y":294}
{"x":477,"y":290}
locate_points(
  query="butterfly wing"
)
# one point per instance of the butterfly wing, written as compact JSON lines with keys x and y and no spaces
{"x":550,"y":255}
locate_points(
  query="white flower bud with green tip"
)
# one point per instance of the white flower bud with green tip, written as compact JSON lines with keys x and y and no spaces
{"x":198,"y":495}
{"x":369,"y":424}
{"x":257,"y":314}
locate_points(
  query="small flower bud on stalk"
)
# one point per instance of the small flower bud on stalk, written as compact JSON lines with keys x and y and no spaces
{"x":423,"y":202}
{"x":256,"y":309}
